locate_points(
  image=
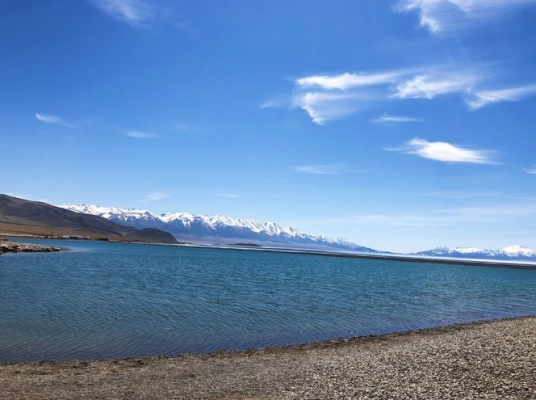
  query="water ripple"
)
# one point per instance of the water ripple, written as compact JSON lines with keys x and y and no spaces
{"x":115,"y":300}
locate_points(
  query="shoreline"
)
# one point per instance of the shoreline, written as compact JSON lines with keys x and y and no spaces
{"x":494,"y":358}
{"x":319,"y":344}
{"x":527,"y":265}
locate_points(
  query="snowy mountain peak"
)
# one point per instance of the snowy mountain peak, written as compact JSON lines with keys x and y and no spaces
{"x":463,"y":250}
{"x":185,"y":226}
{"x":110,"y":212}
{"x":517,"y":250}
{"x":508,"y":252}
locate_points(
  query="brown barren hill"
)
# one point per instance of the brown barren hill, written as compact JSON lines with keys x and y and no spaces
{"x":38,"y":218}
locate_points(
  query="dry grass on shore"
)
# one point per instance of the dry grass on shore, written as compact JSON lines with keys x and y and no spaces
{"x":19,"y":230}
{"x":11,"y":230}
{"x":492,"y":360}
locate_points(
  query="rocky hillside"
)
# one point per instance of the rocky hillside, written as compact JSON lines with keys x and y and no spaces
{"x":29,"y":213}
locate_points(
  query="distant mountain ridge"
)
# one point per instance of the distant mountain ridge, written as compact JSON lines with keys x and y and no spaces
{"x":185,"y":226}
{"x":28,"y":213}
{"x":515,"y":252}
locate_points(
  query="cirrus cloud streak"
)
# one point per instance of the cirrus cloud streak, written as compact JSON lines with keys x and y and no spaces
{"x":53,"y":119}
{"x":487,"y":97}
{"x":389,"y":119}
{"x":132,"y":12}
{"x":331,"y":97}
{"x":428,"y":86}
{"x":140,"y":135}
{"x":447,"y":15}
{"x":446,"y":152}
{"x":156,"y":196}
{"x":49,"y":119}
{"x":347,"y":81}
{"x":330,"y":169}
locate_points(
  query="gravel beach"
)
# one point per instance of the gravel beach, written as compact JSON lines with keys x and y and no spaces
{"x":487,"y":360}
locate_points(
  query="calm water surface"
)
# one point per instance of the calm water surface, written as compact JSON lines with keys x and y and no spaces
{"x":103,"y":300}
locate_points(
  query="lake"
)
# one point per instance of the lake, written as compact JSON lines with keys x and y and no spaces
{"x":108,"y":300}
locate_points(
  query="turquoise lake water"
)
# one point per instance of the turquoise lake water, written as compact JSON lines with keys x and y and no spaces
{"x":106,"y":300}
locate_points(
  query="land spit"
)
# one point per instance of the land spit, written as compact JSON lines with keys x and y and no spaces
{"x":484,"y":360}
{"x":7,"y":246}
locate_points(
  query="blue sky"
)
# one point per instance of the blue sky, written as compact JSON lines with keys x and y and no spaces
{"x":400,"y":125}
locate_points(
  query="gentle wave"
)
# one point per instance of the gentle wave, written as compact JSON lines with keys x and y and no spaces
{"x":116,"y":300}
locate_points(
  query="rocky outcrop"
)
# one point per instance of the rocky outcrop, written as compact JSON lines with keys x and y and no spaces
{"x":14,"y":247}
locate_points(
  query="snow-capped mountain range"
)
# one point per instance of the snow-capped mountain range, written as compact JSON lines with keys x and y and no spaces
{"x":507,"y":253}
{"x":189,"y":227}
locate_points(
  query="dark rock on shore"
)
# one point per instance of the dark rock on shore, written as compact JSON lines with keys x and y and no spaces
{"x":14,"y":247}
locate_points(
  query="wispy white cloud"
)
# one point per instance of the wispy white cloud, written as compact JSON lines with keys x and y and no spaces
{"x":319,"y":169}
{"x":429,"y":12}
{"x":230,"y":195}
{"x":428,"y":87}
{"x":156,"y":196}
{"x":484,"y":98}
{"x":446,"y":152}
{"x":389,"y":119}
{"x":140,"y":135}
{"x":328,"y":169}
{"x":444,"y":15}
{"x":347,"y":81}
{"x":331,"y":97}
{"x":53,"y":119}
{"x":323,"y":107}
{"x":132,"y":12}
{"x":531,"y":170}
{"x":49,"y":119}
{"x":278,"y":102}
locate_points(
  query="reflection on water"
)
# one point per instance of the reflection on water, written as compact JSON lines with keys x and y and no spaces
{"x":105,"y":300}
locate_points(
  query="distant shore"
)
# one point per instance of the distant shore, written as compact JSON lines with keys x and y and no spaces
{"x":493,"y":360}
{"x":303,"y":251}
{"x":7,"y":246}
{"x":374,"y":256}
